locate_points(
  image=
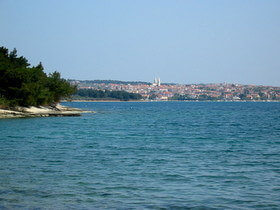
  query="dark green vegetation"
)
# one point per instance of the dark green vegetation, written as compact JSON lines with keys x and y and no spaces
{"x":23,"y":85}
{"x":106,"y":94}
{"x":203,"y":97}
{"x":88,"y":82}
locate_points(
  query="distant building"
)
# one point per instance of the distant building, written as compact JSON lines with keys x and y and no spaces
{"x":156,"y":82}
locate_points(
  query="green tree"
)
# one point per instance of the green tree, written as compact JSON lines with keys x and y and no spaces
{"x":23,"y":85}
{"x":59,"y":87}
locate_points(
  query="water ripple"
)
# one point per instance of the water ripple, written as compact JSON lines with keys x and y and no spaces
{"x":169,"y":155}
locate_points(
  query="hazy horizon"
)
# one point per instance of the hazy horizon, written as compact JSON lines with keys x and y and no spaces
{"x":184,"y":42}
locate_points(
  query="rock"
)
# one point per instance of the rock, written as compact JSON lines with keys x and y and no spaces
{"x":42,"y":111}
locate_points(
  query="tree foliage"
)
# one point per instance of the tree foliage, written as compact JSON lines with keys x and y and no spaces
{"x":107,"y":94}
{"x":23,"y":85}
{"x":202,"y":97}
{"x":88,"y":82}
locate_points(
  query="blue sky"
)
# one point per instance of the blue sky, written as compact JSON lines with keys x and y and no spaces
{"x":182,"y":41}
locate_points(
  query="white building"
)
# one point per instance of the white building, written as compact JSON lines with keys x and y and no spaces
{"x":156,"y":82}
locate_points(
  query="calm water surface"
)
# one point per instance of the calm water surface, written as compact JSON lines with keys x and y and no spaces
{"x":157,"y":155}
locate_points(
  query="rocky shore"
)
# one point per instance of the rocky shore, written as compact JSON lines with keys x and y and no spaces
{"x":42,"y":111}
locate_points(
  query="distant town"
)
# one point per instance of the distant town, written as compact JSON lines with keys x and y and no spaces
{"x":194,"y":92}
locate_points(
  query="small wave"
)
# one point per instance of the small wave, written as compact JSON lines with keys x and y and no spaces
{"x":15,"y":137}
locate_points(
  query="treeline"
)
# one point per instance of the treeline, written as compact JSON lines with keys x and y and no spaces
{"x":106,"y":94}
{"x":110,"y":82}
{"x":25,"y":85}
{"x":202,"y":97}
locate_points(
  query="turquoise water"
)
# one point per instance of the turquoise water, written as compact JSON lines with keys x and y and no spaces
{"x":156,"y":155}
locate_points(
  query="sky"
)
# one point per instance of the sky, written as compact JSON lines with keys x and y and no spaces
{"x":181,"y":41}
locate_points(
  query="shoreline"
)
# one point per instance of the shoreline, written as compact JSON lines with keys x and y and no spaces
{"x":42,"y":111}
{"x":65,"y":101}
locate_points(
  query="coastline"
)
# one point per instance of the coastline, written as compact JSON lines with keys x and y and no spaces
{"x":42,"y":111}
{"x":83,"y":100}
{"x":171,"y":101}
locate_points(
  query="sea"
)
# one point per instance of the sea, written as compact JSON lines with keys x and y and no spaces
{"x":144,"y":155}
